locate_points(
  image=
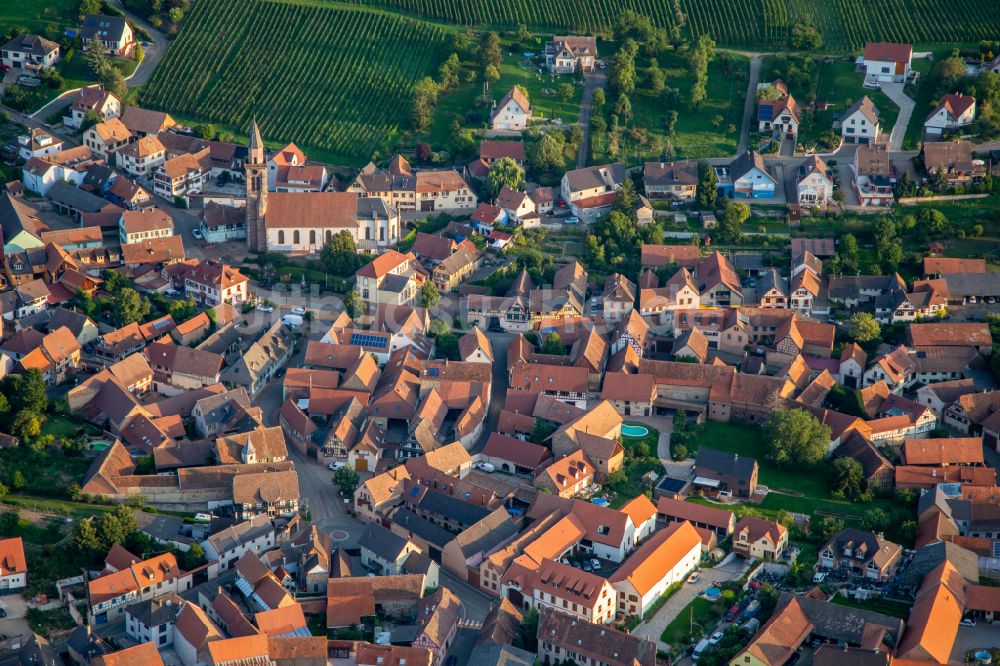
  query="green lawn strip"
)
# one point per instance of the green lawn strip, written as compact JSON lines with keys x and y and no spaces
{"x":701,"y":612}
{"x":46,"y":622}
{"x":37,"y":15}
{"x":891,"y":608}
{"x":61,"y":507}
{"x":923,"y":99}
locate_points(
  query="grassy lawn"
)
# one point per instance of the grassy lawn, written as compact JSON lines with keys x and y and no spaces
{"x":697,"y":134}
{"x":45,"y":622}
{"x":635,"y":466}
{"x":923,"y":96}
{"x":701,"y":612}
{"x":62,"y":507}
{"x":44,"y":474}
{"x":883,"y":606}
{"x":840,"y":85}
{"x":36,"y":15}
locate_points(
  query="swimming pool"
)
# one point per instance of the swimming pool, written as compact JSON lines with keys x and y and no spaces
{"x":599,"y":501}
{"x":634,"y":431}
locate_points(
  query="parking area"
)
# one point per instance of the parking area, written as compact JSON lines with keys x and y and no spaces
{"x":14,"y":623}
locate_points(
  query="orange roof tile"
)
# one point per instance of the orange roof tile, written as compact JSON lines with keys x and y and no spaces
{"x":656,"y":558}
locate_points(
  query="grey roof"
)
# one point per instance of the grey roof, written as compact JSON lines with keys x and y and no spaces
{"x":843,"y":623}
{"x":160,"y":527}
{"x":590,"y":177}
{"x":455,"y":509}
{"x":32,"y":44}
{"x":374,"y":207}
{"x":71,"y":319}
{"x":867,"y":108}
{"x":83,"y":643}
{"x":221,"y":340}
{"x":395,"y":283}
{"x":492,"y":654}
{"x":488,"y":534}
{"x":849,"y":286}
{"x":232,"y":537}
{"x":421,"y":527}
{"x":747,"y":261}
{"x":104,"y":28}
{"x":723,"y":462}
{"x":747,"y":161}
{"x":73,"y":197}
{"x":771,"y":279}
{"x":665,"y":174}
{"x":16,"y":217}
{"x":383,"y":542}
{"x":973,"y":284}
{"x":163,"y":609}
{"x":417,"y":564}
{"x":930,"y":556}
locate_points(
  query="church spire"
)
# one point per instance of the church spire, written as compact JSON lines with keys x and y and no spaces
{"x":256,"y":143}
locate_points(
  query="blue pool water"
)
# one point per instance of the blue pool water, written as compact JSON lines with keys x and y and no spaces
{"x":599,"y":501}
{"x":713,"y":593}
{"x":634,"y":431}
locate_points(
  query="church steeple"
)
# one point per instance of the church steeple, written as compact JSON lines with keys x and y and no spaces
{"x":256,"y":181}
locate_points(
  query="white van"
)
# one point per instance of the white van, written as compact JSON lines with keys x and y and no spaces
{"x":292,"y":321}
{"x":700,"y":648}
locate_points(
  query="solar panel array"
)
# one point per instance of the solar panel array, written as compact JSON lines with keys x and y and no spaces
{"x":367,"y":340}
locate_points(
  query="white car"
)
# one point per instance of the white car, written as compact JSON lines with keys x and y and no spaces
{"x":485,"y":466}
{"x":196,"y":232}
{"x":694,"y":578}
{"x":715,"y":638}
{"x":264,"y":307}
{"x":299,"y":311}
{"x":334,"y":466}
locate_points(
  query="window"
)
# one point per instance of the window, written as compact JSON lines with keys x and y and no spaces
{"x":312,"y":236}
{"x":295,"y":237}
{"x":281,"y":237}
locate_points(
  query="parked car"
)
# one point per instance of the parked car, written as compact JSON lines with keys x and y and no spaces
{"x":264,"y":307}
{"x":299,"y":311}
{"x":968,"y":622}
{"x":196,"y":232}
{"x":715,"y":638}
{"x":587,"y":566}
{"x":694,"y":578}
{"x":572,"y":219}
{"x":596,"y":563}
{"x":733,"y":611}
{"x":485,"y":466}
{"x":337,"y":464}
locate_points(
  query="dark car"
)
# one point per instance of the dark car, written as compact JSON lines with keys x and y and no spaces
{"x":3,"y":612}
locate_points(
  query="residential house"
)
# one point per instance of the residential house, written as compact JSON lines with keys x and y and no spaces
{"x":383,"y":551}
{"x":513,"y":113}
{"x":591,"y":191}
{"x":722,"y":471}
{"x":37,"y":143}
{"x":951,"y":163}
{"x":562,"y":639}
{"x":618,"y":298}
{"x":717,"y":282}
{"x":567,"y":54}
{"x":677,"y":181}
{"x":779,"y":117}
{"x":748,"y":177}
{"x":227,"y":546}
{"x":92,"y":99}
{"x":458,"y":266}
{"x":106,"y":138}
{"x":220,"y":224}
{"x":567,"y":477}
{"x":860,"y":122}
{"x":864,"y":553}
{"x":759,"y":538}
{"x":262,"y":359}
{"x":108,"y":595}
{"x":183,"y":175}
{"x":406,"y":190}
{"x":665,"y":559}
{"x":772,"y":289}
{"x":392,"y":278}
{"x":13,"y":566}
{"x":113,"y":32}
{"x":814,"y":184}
{"x":438,"y":616}
{"x":143,"y":122}
{"x":153,"y":620}
{"x":674,"y":256}
{"x":554,"y":586}
{"x":674,"y":510}
{"x":953,"y":111}
{"x":141,"y":158}
{"x":136,"y":226}
{"x":887,"y":62}
{"x":212,"y":283}
{"x":491,"y":150}
{"x":29,"y":53}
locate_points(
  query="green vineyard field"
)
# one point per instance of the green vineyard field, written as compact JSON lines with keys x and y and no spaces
{"x":747,"y":24}
{"x":333,"y":78}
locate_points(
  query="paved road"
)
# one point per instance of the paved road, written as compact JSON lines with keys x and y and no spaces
{"x":591,"y":83}
{"x":152,"y":54}
{"x":895,"y":92}
{"x":28,"y":121}
{"x":750,"y":104}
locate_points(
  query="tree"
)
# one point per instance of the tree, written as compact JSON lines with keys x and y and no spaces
{"x":541,"y":430}
{"x":553,"y":345}
{"x":656,"y":78}
{"x":864,"y":327}
{"x":353,"y":304}
{"x":875,"y":519}
{"x":429,"y":295}
{"x":523,"y":34}
{"x":206,"y":131}
{"x":848,"y":477}
{"x":425,"y":96}
{"x":346,"y":479}
{"x":128,"y":306}
{"x":448,"y":72}
{"x":566,"y":91}
{"x":26,"y":392}
{"x":85,"y":536}
{"x":138,"y":54}
{"x":806,"y":37}
{"x":504,"y":173}
{"x":175,"y":14}
{"x":734,"y":214}
{"x":933,"y":221}
{"x":828,"y":526}
{"x":9,"y":522}
{"x":623,"y":69}
{"x":549,"y":151}
{"x":527,"y":636}
{"x":698,"y":59}
{"x":598,"y":100}
{"x":707,"y":181}
{"x":17,"y":481}
{"x":490,"y":52}
{"x":89,"y":7}
{"x":797,"y":438}
{"x":340,"y":255}
{"x":115,"y":526}
{"x":446,"y":346}
{"x":623,"y":109}
{"x":626,"y":198}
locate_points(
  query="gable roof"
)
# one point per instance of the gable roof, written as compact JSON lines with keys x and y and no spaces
{"x":888,"y":52}
{"x":657,"y":557}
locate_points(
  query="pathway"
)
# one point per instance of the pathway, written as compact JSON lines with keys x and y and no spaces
{"x":591,"y":83}
{"x":895,"y":92}
{"x":756,"y":60}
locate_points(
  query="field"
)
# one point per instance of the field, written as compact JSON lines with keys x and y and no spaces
{"x":37,"y":15}
{"x":696,"y":136}
{"x":752,"y":24}
{"x":329,"y":77}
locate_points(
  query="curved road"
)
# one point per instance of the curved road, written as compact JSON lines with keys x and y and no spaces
{"x":152,"y":55}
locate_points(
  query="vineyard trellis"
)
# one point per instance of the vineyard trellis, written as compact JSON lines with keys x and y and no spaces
{"x":751,"y":24}
{"x":336,"y":78}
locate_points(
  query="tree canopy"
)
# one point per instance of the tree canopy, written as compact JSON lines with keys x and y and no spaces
{"x":797,"y":438}
{"x":504,"y":173}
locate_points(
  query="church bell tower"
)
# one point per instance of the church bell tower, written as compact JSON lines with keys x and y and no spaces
{"x":256,"y":179}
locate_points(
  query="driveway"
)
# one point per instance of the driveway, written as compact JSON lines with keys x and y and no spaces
{"x":748,"y":106}
{"x":15,"y":624}
{"x":895,"y":92}
{"x":653,"y":627}
{"x":591,"y":83}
